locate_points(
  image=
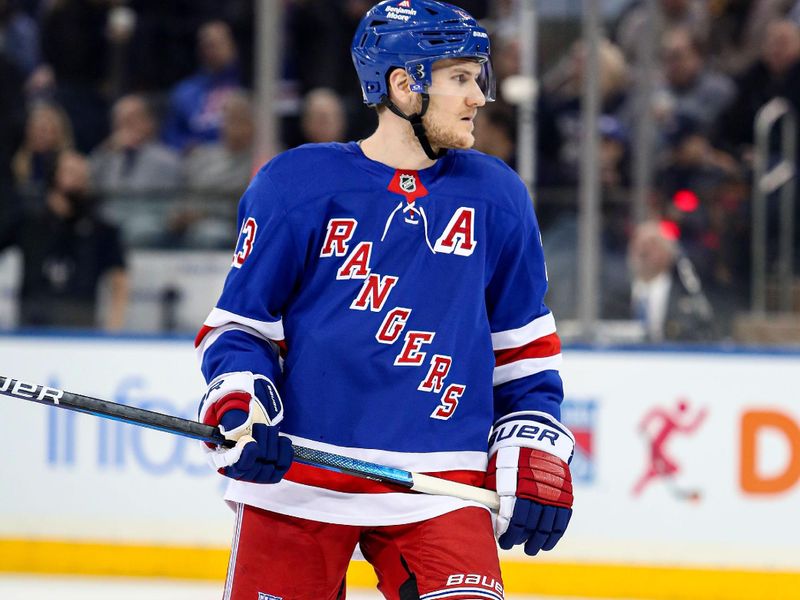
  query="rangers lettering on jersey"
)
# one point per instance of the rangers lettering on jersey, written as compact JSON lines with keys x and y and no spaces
{"x":340,"y":231}
{"x":393,"y":324}
{"x":410,"y":355}
{"x":449,"y":401}
{"x":356,"y":265}
{"x":374,"y":292}
{"x":434,"y":380}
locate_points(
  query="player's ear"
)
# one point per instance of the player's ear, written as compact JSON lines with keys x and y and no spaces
{"x":399,"y":88}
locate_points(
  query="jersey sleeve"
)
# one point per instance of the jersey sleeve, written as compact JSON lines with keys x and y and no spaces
{"x":244,"y":331}
{"x":526,"y":346}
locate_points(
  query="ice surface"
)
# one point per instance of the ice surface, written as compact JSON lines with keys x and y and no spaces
{"x":47,"y":587}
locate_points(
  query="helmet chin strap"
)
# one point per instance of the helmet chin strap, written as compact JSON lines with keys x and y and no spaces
{"x":417,"y":126}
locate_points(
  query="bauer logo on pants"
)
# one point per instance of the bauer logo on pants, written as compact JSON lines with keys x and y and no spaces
{"x":263,"y":596}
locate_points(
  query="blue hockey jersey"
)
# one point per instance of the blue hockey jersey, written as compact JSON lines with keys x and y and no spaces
{"x":400,"y":314}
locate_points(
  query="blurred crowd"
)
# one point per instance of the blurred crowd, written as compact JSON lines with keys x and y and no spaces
{"x":716,"y":64}
{"x":129,"y":123}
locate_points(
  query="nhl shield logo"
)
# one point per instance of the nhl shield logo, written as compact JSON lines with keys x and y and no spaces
{"x":408,"y":183}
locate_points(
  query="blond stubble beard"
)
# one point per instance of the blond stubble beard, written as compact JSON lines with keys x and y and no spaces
{"x":438,"y":135}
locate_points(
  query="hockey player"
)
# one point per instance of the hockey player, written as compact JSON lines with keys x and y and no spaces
{"x":385,"y":302}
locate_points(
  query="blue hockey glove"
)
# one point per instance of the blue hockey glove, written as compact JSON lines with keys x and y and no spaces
{"x":529,"y":468}
{"x":248,"y":409}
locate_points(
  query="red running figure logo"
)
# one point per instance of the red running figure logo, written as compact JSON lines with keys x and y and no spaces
{"x":658,"y":426}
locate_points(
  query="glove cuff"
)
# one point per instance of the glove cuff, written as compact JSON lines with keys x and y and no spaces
{"x":532,"y":429}
{"x":244,"y":386}
{"x":232,"y":401}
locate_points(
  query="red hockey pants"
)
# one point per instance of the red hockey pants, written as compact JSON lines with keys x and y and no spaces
{"x":277,"y":557}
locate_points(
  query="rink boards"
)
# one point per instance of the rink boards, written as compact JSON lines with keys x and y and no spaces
{"x":687,"y":473}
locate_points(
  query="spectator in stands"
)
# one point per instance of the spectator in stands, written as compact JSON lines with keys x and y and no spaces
{"x":666,"y":293}
{"x":689,"y":184}
{"x":738,"y":30}
{"x":689,"y":87}
{"x":323,"y":117}
{"x":132,"y":160}
{"x":218,"y":173}
{"x":613,"y":153}
{"x":162,"y":49}
{"x":563,"y":92}
{"x":195,"y":110}
{"x":19,"y":38}
{"x":777,"y":73}
{"x":506,"y":63}
{"x":75,"y":50}
{"x":225,"y":165}
{"x":690,"y":14}
{"x":68,"y":252}
{"x":317,"y":40}
{"x":12,"y":124}
{"x":318,"y":32}
{"x":48,"y":133}
{"x":615,"y":180}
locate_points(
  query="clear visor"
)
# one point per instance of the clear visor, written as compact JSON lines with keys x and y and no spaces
{"x":454,"y":77}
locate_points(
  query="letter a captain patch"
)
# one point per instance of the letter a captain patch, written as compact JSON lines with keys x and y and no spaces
{"x":459,"y":235}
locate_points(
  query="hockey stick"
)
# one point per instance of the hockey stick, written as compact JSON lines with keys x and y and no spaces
{"x":415,"y":482}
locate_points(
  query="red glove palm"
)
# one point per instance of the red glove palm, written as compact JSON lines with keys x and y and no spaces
{"x":544,"y":478}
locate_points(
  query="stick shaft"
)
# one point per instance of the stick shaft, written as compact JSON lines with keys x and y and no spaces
{"x":42,"y":394}
{"x":425,"y":484}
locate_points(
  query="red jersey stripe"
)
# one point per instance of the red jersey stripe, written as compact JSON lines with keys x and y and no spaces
{"x":549,"y":345}
{"x":341,"y":482}
{"x":204,"y":331}
{"x":282,"y":347}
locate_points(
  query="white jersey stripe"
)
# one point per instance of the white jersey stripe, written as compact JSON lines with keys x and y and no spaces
{"x":343,"y":508}
{"x":214,"y":335}
{"x":525,"y":367}
{"x":514,"y":338}
{"x":419,"y":462}
{"x":272,"y":330}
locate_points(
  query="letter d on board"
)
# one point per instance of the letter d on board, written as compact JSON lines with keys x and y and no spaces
{"x":753,"y":424}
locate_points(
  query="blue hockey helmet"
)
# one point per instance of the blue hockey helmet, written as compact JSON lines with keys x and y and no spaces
{"x":412,"y":35}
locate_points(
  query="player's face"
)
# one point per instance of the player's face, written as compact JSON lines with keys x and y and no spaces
{"x":455,"y":98}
